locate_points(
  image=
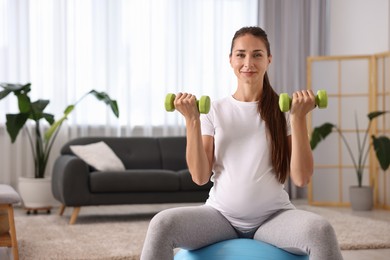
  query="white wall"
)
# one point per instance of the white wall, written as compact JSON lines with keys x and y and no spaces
{"x":359,"y":27}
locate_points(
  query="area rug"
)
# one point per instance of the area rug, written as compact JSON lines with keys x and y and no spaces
{"x":121,"y":236}
{"x":354,"y":232}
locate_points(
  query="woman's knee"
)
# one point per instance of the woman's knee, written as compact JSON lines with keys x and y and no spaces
{"x":318,"y":229}
{"x":321,"y":239}
{"x":163,"y":222}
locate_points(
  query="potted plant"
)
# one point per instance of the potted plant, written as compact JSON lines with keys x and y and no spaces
{"x":361,"y":197}
{"x":42,"y":137}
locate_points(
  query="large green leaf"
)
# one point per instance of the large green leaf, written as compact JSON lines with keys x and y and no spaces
{"x":16,"y":88}
{"x":15,"y":123}
{"x":55,"y":125}
{"x":24,"y":103}
{"x":68,"y":110}
{"x":320,"y":133}
{"x":48,"y":117}
{"x":106,"y":98}
{"x":374,"y":114}
{"x":4,"y":93}
{"x":53,"y":128}
{"x":37,"y":109}
{"x":21,"y":92}
{"x":382,"y":149}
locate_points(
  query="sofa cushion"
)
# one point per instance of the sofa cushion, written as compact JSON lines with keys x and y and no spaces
{"x":187,"y":184}
{"x":134,"y":152}
{"x":98,"y":155}
{"x":173,"y":152}
{"x":134,"y":181}
{"x":137,"y":152}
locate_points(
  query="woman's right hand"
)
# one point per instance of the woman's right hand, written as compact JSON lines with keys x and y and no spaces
{"x":185,"y":103}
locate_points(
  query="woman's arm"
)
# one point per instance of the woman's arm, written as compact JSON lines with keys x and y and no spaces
{"x":301,"y":165}
{"x":199,"y":150}
{"x":199,"y":153}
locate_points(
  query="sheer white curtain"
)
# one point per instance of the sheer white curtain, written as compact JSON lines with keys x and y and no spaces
{"x":136,"y":51}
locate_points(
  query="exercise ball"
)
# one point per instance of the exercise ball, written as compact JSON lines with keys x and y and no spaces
{"x":238,"y":249}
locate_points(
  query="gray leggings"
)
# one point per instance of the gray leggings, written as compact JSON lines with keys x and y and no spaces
{"x":296,"y":231}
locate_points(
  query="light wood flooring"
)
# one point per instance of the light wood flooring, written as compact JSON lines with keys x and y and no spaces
{"x":372,"y":254}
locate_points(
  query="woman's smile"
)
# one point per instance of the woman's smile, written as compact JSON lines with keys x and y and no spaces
{"x":248,"y":73}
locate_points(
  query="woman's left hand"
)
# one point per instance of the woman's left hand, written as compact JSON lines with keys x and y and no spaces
{"x":303,"y":102}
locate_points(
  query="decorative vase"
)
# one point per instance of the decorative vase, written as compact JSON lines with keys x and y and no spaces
{"x":36,"y":194}
{"x":361,"y":198}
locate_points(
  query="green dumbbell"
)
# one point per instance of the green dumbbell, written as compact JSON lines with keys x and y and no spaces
{"x":203,"y":103}
{"x":285,"y":101}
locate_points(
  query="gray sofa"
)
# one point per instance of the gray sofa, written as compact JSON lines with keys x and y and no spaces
{"x":156,"y":172}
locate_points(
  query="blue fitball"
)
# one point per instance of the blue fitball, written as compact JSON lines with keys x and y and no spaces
{"x":238,"y":249}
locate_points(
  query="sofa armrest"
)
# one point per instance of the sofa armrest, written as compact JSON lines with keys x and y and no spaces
{"x":70,"y":181}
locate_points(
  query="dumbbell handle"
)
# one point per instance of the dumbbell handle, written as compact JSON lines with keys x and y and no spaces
{"x":285,"y":101}
{"x":203,"y":103}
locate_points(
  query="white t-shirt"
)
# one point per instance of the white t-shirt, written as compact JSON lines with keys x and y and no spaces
{"x":246,"y":190}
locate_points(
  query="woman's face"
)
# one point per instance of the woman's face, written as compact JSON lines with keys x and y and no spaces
{"x":249,"y":59}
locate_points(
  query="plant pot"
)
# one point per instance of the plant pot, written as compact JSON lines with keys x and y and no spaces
{"x":36,"y":193}
{"x":361,"y":198}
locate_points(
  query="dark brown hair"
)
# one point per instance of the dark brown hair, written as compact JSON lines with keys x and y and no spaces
{"x":269,"y":111}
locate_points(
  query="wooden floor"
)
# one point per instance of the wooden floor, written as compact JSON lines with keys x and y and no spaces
{"x":372,"y":254}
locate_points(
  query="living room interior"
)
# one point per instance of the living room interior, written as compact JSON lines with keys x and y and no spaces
{"x":102,"y":71}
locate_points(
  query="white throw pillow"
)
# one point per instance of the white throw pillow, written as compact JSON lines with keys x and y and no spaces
{"x":98,"y":155}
